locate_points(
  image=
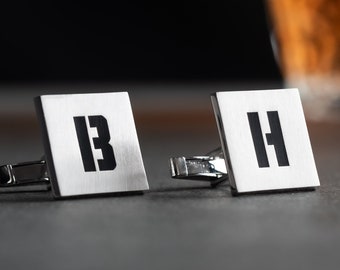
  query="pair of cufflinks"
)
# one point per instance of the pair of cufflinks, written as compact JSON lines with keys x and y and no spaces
{"x":91,"y":146}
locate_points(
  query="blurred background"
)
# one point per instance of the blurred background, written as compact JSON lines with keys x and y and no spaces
{"x":170,"y":56}
{"x":136,"y":41}
{"x":170,"y":52}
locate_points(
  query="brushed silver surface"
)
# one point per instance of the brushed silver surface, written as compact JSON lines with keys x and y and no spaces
{"x":245,"y":175}
{"x":65,"y":165}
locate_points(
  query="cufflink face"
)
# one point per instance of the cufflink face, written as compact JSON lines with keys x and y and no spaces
{"x":91,"y":144}
{"x":265,"y":140}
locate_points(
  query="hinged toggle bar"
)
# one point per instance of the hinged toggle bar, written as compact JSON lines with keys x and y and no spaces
{"x":26,"y":176}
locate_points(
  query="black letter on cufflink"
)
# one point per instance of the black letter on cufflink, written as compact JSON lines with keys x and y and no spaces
{"x":274,"y":138}
{"x":101,"y":142}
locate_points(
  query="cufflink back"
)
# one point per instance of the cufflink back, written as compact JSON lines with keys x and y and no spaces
{"x":265,"y":144}
{"x":91,"y":147}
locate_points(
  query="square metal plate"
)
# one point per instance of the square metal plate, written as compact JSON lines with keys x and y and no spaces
{"x":91,"y":144}
{"x":265,"y":140}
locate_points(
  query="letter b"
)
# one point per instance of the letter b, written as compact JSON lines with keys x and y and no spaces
{"x":101,"y":142}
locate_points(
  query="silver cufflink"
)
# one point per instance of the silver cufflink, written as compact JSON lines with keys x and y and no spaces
{"x":265,"y":144}
{"x":91,"y":147}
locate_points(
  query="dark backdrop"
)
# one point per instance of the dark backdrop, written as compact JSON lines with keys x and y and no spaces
{"x":135,"y":40}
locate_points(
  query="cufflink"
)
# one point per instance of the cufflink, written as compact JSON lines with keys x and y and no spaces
{"x":265,"y":144}
{"x":91,"y":147}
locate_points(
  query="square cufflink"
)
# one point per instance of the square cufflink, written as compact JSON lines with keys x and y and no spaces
{"x":91,"y":147}
{"x":265,"y":144}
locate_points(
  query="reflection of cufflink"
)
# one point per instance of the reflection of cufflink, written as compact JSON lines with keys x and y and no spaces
{"x":91,"y":147}
{"x":265,"y":144}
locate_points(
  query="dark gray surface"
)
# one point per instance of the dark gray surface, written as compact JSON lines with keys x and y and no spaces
{"x":176,"y":224}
